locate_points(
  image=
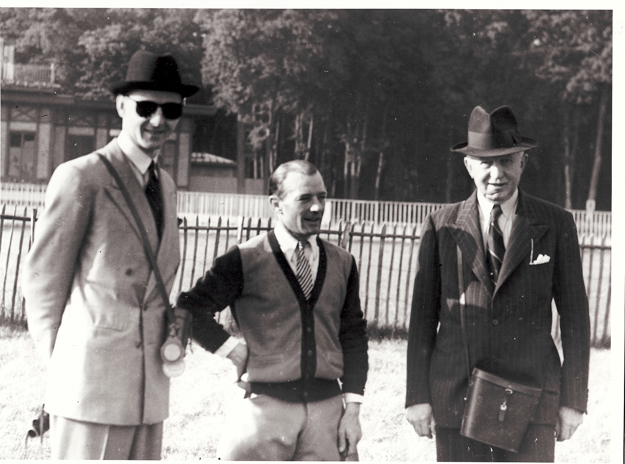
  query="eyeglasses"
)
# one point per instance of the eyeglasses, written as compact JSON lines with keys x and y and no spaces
{"x":146,"y":108}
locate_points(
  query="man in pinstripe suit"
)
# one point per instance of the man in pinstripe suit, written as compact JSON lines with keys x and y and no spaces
{"x":513,"y":265}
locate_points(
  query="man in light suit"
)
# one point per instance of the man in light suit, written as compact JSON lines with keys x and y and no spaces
{"x":517,"y":254}
{"x":295,"y":299}
{"x":93,"y":307}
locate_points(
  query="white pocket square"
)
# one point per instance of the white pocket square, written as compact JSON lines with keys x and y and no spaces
{"x":540,"y":259}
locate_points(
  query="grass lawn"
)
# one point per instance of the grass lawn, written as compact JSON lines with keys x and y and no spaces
{"x":200,"y":398}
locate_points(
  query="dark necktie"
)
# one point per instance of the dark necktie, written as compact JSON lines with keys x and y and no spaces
{"x":153,"y":192}
{"x":496,"y":248}
{"x":304,"y":274}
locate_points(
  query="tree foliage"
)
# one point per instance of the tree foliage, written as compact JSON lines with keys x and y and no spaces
{"x":92,"y":47}
{"x":375,"y":98}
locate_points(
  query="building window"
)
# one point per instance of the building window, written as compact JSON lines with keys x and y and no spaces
{"x":22,"y":157}
{"x":254,"y":167}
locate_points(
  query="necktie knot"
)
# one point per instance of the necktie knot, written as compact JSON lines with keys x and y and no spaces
{"x":495,"y":213}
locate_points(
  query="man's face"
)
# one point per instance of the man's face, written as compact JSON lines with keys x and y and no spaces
{"x":496,"y":178}
{"x":148,"y":133}
{"x":301,"y":204}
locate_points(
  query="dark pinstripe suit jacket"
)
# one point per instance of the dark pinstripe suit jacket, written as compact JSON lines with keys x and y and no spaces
{"x":508,"y":326}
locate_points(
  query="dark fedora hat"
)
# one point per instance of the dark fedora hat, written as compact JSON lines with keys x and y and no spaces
{"x":493,"y":134}
{"x":148,"y":71}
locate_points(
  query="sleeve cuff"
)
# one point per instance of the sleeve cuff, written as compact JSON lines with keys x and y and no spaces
{"x":225,"y":349}
{"x":353,"y":398}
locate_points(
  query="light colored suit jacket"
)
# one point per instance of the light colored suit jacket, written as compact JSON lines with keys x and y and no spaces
{"x":508,"y":326}
{"x":92,"y":304}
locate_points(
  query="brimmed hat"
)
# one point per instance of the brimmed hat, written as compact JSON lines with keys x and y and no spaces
{"x":148,"y":71}
{"x":494,"y":134}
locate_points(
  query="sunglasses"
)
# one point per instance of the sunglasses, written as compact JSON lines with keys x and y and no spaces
{"x":147,"y":108}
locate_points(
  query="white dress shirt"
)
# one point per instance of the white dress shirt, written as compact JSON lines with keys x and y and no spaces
{"x":288,"y":245}
{"x":139,"y":161}
{"x":508,"y":209}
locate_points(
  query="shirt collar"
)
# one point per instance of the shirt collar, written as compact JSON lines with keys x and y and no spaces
{"x":133,"y":153}
{"x":287,"y":242}
{"x":508,"y":207}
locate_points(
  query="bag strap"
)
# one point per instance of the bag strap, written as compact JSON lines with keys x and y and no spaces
{"x":462,"y":301}
{"x":144,"y":237}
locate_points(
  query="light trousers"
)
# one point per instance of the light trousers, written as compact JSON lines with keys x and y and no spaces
{"x":262,"y":428}
{"x":71,"y":439}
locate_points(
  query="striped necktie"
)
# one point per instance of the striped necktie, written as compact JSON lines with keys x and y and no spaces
{"x":304,"y":274}
{"x":496,"y":248}
{"x":153,"y":192}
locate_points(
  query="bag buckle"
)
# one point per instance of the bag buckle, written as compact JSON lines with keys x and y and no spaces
{"x":504,"y":406}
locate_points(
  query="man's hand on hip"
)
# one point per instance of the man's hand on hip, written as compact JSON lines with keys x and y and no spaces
{"x":568,"y":421}
{"x":350,"y":432}
{"x":421,"y":418}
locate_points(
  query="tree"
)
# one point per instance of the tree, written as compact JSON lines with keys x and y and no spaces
{"x":294,"y":74}
{"x":374,"y":98}
{"x":91,"y":47}
{"x":258,"y":62}
{"x":575,"y":52}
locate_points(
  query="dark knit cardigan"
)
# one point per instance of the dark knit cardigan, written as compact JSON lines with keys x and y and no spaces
{"x":298,"y":347}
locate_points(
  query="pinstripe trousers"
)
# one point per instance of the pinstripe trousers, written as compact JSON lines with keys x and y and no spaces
{"x":537,"y":446}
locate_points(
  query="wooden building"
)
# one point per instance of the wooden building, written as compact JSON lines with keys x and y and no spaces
{"x":41,"y":127}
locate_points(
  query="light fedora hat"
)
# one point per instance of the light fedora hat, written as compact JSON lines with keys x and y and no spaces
{"x":148,"y":71}
{"x":494,"y":134}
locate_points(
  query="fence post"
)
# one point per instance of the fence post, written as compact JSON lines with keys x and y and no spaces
{"x":378,"y":283}
{"x":408,"y":280}
{"x":184,"y":252}
{"x":598,"y":295}
{"x":240,"y":230}
{"x":346,"y":236}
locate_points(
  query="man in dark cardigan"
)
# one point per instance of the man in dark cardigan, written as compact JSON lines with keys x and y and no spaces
{"x":295,"y":299}
{"x":517,"y":254}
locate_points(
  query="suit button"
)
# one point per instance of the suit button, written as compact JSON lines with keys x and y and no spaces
{"x":305,"y":394}
{"x":495,"y":322}
{"x":128,"y":272}
{"x":310,"y":353}
{"x":309,"y":329}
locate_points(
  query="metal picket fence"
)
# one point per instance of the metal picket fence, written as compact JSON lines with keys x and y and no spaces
{"x":386,"y":256}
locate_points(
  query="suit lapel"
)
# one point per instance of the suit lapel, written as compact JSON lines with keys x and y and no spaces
{"x":468,"y":235}
{"x":168,"y":254}
{"x":167,"y":257}
{"x":526,"y":226}
{"x":117,"y":158}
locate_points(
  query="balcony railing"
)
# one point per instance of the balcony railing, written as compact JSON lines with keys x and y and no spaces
{"x":29,"y":75}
